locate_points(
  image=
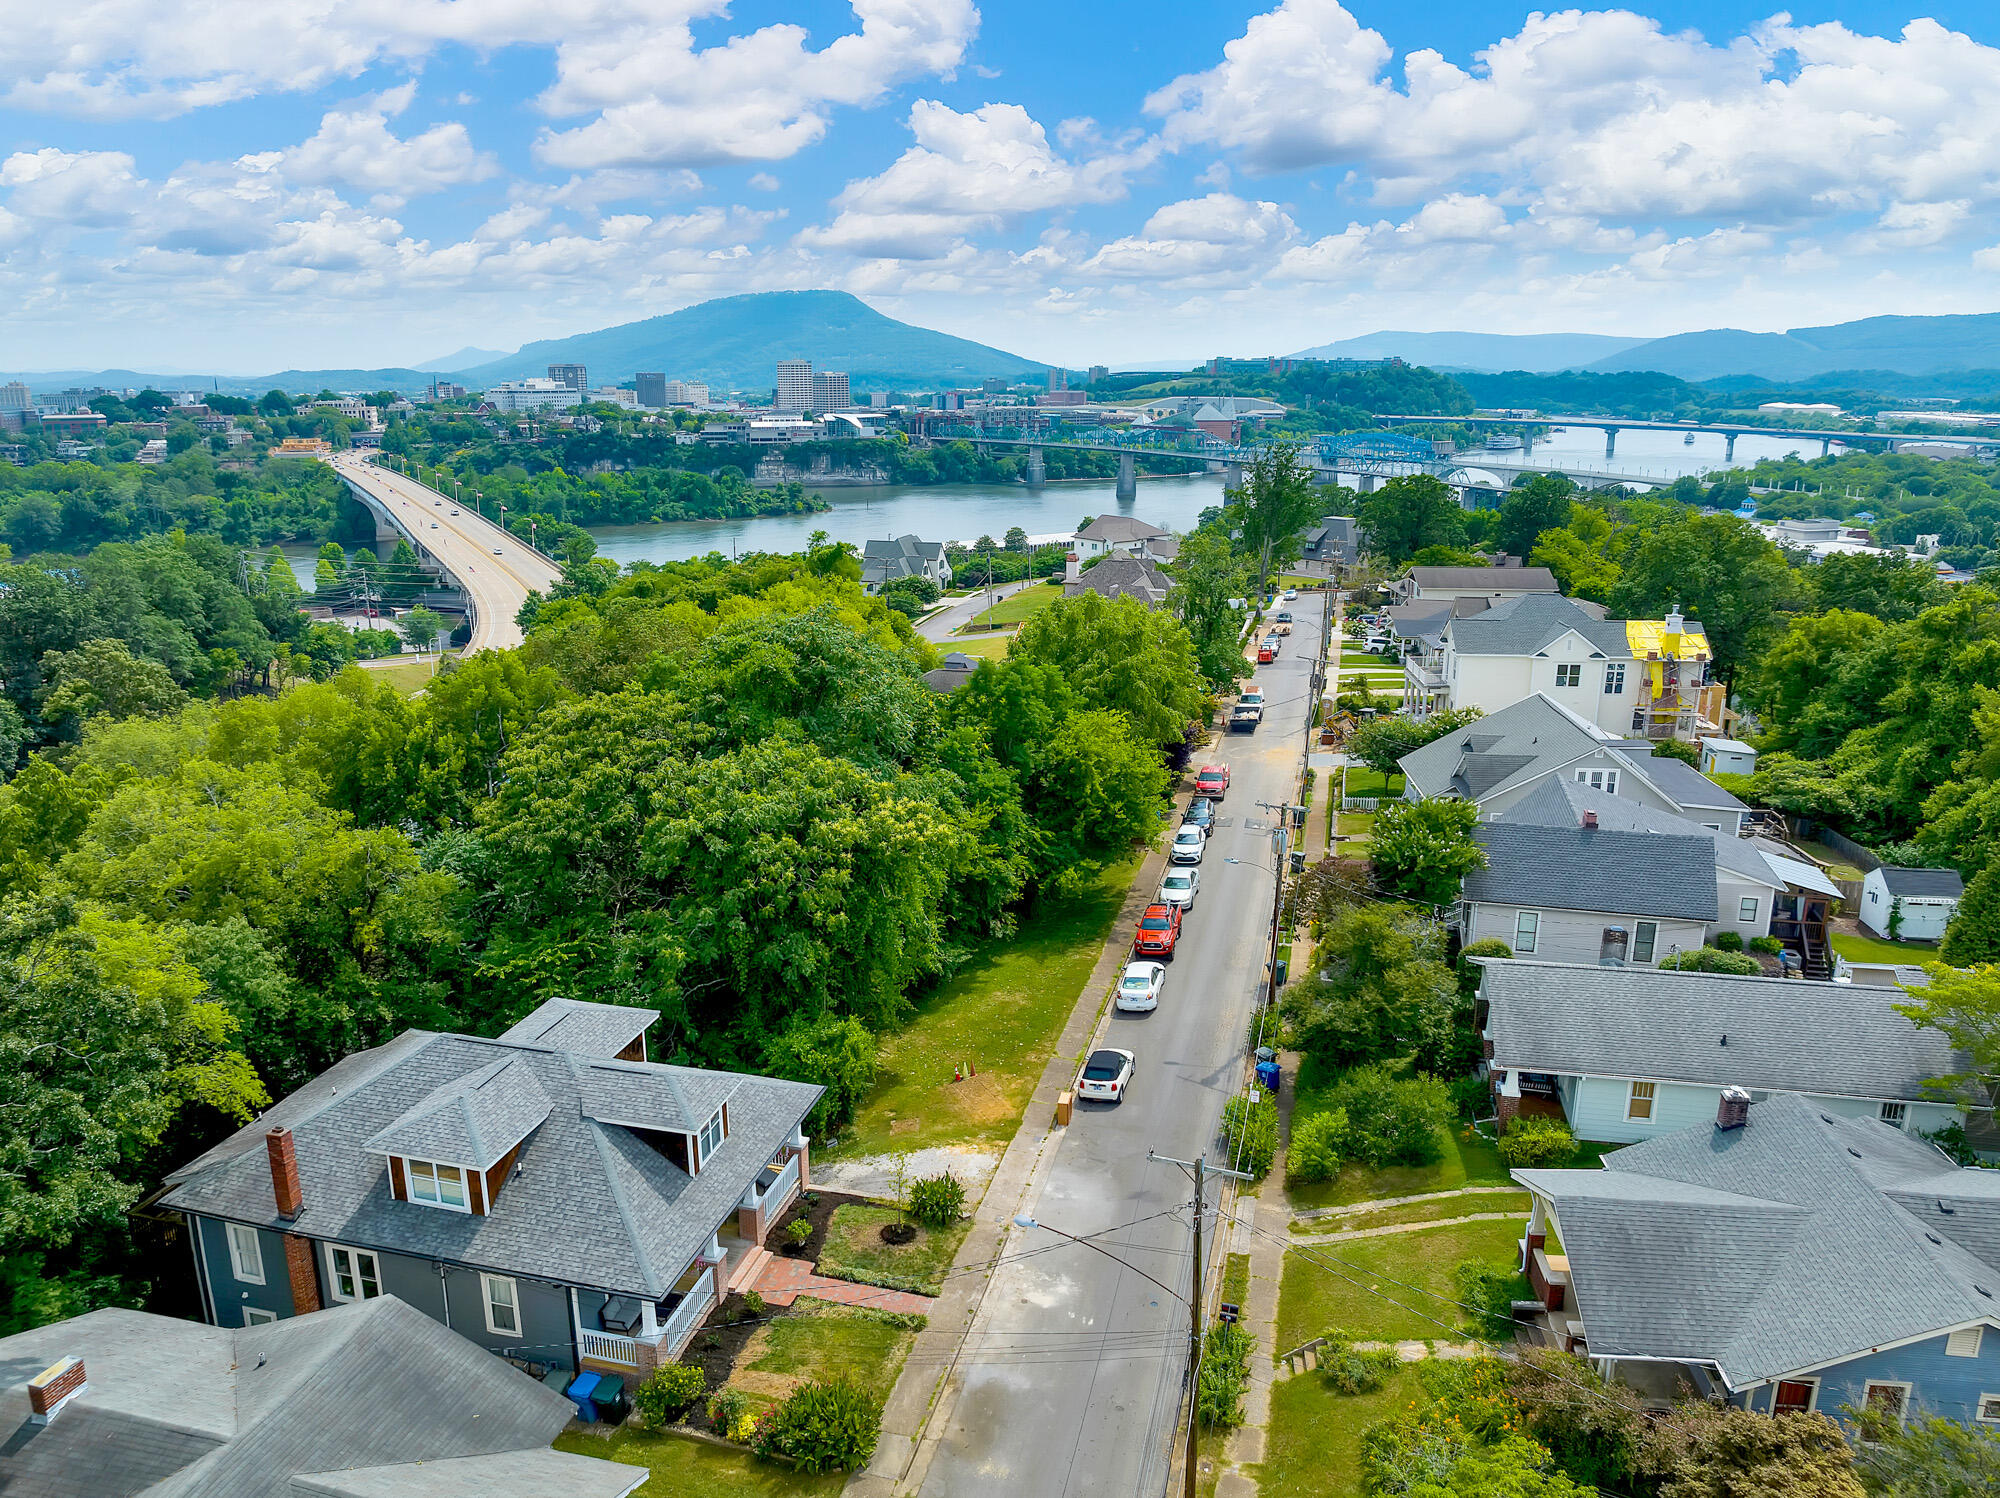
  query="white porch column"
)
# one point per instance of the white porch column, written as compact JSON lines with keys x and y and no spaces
{"x":649,"y":1321}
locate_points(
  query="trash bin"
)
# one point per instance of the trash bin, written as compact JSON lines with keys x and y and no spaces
{"x":579,"y":1394}
{"x":609,"y":1397}
{"x":1269,"y":1075}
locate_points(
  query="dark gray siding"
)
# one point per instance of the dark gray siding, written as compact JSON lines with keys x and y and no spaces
{"x":226,"y":1292}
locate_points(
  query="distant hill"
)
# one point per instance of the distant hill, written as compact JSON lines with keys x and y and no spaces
{"x":734,"y":343}
{"x":463,"y":359}
{"x":1535,"y":353}
{"x":1901,"y":345}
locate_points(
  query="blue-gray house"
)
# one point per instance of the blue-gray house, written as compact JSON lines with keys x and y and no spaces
{"x":550,"y":1194}
{"x":1782,"y":1258}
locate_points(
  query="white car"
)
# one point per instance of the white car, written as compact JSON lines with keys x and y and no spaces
{"x":1188,"y":845}
{"x":1291,"y":592}
{"x":1139,"y":989}
{"x":496,"y":551}
{"x":454,"y":512}
{"x":1180,"y":887}
{"x":1106,"y":1075}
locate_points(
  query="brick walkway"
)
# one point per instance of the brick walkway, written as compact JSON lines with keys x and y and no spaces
{"x":785,"y":1280}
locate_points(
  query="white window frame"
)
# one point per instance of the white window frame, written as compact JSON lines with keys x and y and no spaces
{"x":1651,"y":1099}
{"x":258,"y":1316}
{"x":710,"y":1145}
{"x":433,"y":1173}
{"x":1614,"y":679}
{"x":1981,"y":1406}
{"x":1746,"y":910}
{"x":1903,"y":1411}
{"x":1895,"y":1115}
{"x":1972,"y":1337}
{"x":1812,"y":1402}
{"x":247,"y":1264}
{"x":1569,"y":674}
{"x":1599,"y":780}
{"x":1645,"y":934}
{"x":333,"y":1253}
{"x":487,"y":1283}
{"x":1528,"y":925}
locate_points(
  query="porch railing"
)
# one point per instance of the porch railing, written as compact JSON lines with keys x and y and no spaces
{"x":781,"y":1184}
{"x":609,"y":1347}
{"x":686,"y":1316}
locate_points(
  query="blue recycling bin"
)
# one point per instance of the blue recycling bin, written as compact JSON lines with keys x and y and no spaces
{"x":1269,"y":1075}
{"x":580,"y":1394}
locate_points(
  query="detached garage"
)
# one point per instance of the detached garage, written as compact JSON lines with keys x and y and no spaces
{"x":1922,"y":899}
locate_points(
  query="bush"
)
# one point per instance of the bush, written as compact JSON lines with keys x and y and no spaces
{"x":1250,"y":1132}
{"x":753,"y":1305}
{"x":937,"y":1201}
{"x":726,"y":1409}
{"x":667,"y":1395}
{"x":1729,"y":941}
{"x":1348,"y":1369}
{"x":1712,"y":960}
{"x":1392,"y":1122}
{"x":798,"y":1230}
{"x":822,"y":1427}
{"x":1470,"y":1095}
{"x":1770,"y":946}
{"x":1225,"y":1373}
{"x":1468,"y":971}
{"x":1314,"y":1151}
{"x":1489,"y":1291}
{"x":1535,"y":1143}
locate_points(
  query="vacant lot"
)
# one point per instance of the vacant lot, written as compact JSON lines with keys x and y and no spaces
{"x":1394,"y":1288}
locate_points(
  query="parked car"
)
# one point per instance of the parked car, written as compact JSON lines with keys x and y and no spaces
{"x":1106,"y":1075}
{"x":1159,"y":931}
{"x":1188,"y":845}
{"x":1139,"y":989}
{"x":1291,"y":593}
{"x":1180,"y":887}
{"x":1212,"y":781}
{"x":1252,"y":696}
{"x":1244,"y":719}
{"x":1285,"y":615}
{"x":1282,"y":627}
{"x":1200,"y":813}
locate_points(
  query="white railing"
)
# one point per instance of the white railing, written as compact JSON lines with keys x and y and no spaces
{"x":781,"y":1187}
{"x":607,"y":1347}
{"x":687,"y":1315}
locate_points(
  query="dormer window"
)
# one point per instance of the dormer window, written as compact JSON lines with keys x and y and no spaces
{"x":711,"y":1135}
{"x":436,"y":1185}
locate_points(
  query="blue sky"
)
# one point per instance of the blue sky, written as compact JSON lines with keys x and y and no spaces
{"x":211,"y":184}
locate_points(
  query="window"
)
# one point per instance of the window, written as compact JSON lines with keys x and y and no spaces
{"x":1795,"y":1396}
{"x":503,"y":1308}
{"x":1645,"y":936}
{"x":1893,"y":1114}
{"x":1891,"y":1401}
{"x":356,"y":1275}
{"x":1639,"y":1104}
{"x":1746,"y":910}
{"x":439,"y":1185}
{"x":1569,"y":676}
{"x":1989,"y":1409}
{"x":711,"y":1136}
{"x":246,"y":1253}
{"x":1964,"y":1343}
{"x":1524,"y":930}
{"x":1614,"y":680}
{"x":258,"y":1316}
{"x":1599,"y":780}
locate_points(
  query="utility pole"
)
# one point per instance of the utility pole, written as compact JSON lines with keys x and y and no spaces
{"x":1198,"y":1170}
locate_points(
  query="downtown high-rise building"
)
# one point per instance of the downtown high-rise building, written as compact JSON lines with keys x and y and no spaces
{"x":576,"y":376}
{"x":795,"y":385}
{"x":829,"y":391}
{"x":14,"y":396}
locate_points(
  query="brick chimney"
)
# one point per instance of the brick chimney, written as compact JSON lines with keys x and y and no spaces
{"x":54,"y":1387}
{"x":285,"y":1173}
{"x":1072,"y":567}
{"x":1590,"y":821}
{"x":1733,"y":1110}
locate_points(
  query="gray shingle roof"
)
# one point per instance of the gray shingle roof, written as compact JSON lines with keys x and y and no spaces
{"x":1683,"y":783}
{"x":1537,"y":737}
{"x":1597,"y":869}
{"x":1485,"y":579}
{"x":179,"y":1410}
{"x":1767,"y":1249}
{"x":1562,"y":803}
{"x":1119,"y":530}
{"x":1782,"y":1034}
{"x":584,"y":1028}
{"x":1932,"y":883}
{"x":589,"y":1203}
{"x":1533,"y":622}
{"x":512,"y":1474}
{"x":1122,"y":576}
{"x":472,"y":1121}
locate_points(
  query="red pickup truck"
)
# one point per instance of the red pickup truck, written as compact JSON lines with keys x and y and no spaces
{"x":1159,"y":930}
{"x":1211,"y":781}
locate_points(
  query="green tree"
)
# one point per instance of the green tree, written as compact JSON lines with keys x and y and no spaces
{"x":1424,"y":849}
{"x":1383,"y":743}
{"x":1790,"y":677}
{"x":1208,"y":577}
{"x":1891,"y":587}
{"x":1408,"y":513}
{"x":421,"y":627}
{"x":330,"y":567}
{"x":1581,"y":569}
{"x":1016,"y":538}
{"x":1973,"y":934}
{"x":1277,"y":500}
{"x":1383,"y":990}
{"x":1929,"y":1456}
{"x":1965,"y":1005}
{"x":836,"y":1052}
{"x":1118,"y":654}
{"x":1541,"y":504}
{"x":102,"y":676}
{"x":1718,"y":570}
{"x":1699,"y":1450}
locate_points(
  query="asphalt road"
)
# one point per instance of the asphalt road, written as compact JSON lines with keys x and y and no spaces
{"x":465,"y":546}
{"x":939,"y":626}
{"x":1071,"y":1375}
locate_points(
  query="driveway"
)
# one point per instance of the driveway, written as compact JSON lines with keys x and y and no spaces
{"x":937,"y":629}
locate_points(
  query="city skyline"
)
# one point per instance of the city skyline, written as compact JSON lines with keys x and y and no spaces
{"x":373,"y":186}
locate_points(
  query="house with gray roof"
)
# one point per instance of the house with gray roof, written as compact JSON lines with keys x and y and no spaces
{"x":1335,"y":541}
{"x":1119,"y":576}
{"x":1481,"y":582}
{"x":369,"y":1400}
{"x":550,"y":1193}
{"x":1920,"y":902}
{"x":1633,"y":1053}
{"x":1120,"y":533}
{"x":1780,"y":1255}
{"x":882,"y":562}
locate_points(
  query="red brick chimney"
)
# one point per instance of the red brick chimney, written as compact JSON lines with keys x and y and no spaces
{"x":285,"y":1173}
{"x":1590,"y":821}
{"x":54,"y":1387}
{"x":1733,"y":1109}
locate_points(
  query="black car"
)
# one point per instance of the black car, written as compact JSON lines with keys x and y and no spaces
{"x":1200,"y":813}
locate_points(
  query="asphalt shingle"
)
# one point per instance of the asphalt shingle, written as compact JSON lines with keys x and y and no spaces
{"x":1570,"y":867}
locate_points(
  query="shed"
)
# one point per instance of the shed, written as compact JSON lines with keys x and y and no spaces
{"x":1919,"y":902}
{"x":1730,"y":756}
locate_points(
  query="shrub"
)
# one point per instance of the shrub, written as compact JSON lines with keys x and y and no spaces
{"x":1770,"y":946}
{"x":1225,"y":1373}
{"x":1351,"y":1370}
{"x":1314,"y":1151}
{"x":726,"y":1408}
{"x":1250,"y":1132}
{"x":666,"y":1396}
{"x":1535,"y":1143}
{"x":1392,"y":1122}
{"x":1712,"y":960}
{"x":1470,"y":1095}
{"x":823,"y":1427}
{"x":937,"y":1201}
{"x":1468,"y":971}
{"x":1729,"y":941}
{"x":753,"y":1305}
{"x":798,"y":1230}
{"x":1489,"y":1291}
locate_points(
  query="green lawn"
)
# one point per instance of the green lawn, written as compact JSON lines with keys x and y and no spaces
{"x":1355,"y":823}
{"x":1467,"y":1159}
{"x":1362,"y":781}
{"x":855,"y":1251}
{"x":1441,"y":1209}
{"x":982,"y":647}
{"x":1027,"y":602}
{"x":820,"y":1340}
{"x":1355,"y":1294}
{"x":1859,"y":948}
{"x":409,"y":676}
{"x":1001,"y":1014}
{"x":1313,"y":1447}
{"x":1236,"y":1279}
{"x":683,"y":1468}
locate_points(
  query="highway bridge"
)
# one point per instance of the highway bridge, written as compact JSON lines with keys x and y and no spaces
{"x":495,"y":570}
{"x":1611,"y":426}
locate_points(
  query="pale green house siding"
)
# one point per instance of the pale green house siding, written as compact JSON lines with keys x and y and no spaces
{"x":1597,"y":1106}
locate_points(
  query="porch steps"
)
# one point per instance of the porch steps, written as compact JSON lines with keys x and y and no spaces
{"x":749,"y":1269}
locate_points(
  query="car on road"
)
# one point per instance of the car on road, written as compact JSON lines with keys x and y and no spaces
{"x":1212,"y":781}
{"x":1285,"y":615}
{"x":1291,"y":593}
{"x":1200,"y":813}
{"x":1188,"y":845}
{"x":1106,"y":1075}
{"x":1281,"y":627}
{"x":1159,"y":932}
{"x":1252,"y":696}
{"x":497,"y":551}
{"x":1180,"y":887}
{"x":434,"y":525}
{"x":1267,"y":651}
{"x":1244,"y":719}
{"x":1139,"y":989}
{"x":454,"y":512}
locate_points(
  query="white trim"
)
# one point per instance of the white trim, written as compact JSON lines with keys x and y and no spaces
{"x":1812,"y":1400}
{"x":374,"y":1271}
{"x":246,"y":1253}
{"x":1979,"y":1414}
{"x":1968,"y":1338}
{"x":1749,"y":914}
{"x":1871,"y":1385}
{"x":1546,"y":1069}
{"x":1848,"y":1357}
{"x":434,"y":1170}
{"x":258,"y":1316}
{"x":487,"y":1282}
{"x":1651,"y":1115}
{"x":1533,"y":918}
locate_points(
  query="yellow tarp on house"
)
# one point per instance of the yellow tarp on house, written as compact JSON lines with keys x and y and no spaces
{"x":1651,"y":642}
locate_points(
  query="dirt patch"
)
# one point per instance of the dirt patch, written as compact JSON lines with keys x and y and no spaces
{"x":718,"y":1344}
{"x":875,"y":1175}
{"x":816,"y":1206}
{"x":776,"y":1387}
{"x":977,"y":1100}
{"x":905,"y":1126}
